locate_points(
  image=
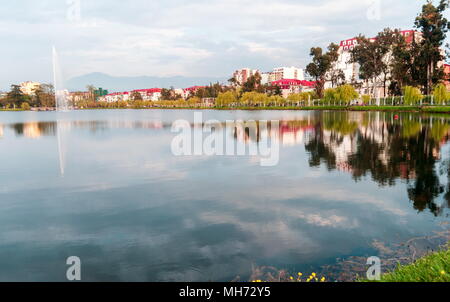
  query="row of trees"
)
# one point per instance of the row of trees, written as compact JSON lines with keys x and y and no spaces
{"x":390,"y":58}
{"x":44,"y":96}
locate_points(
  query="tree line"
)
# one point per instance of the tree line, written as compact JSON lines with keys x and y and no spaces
{"x":389,"y":58}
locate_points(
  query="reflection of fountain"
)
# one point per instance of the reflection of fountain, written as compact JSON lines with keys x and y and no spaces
{"x":62,"y":129}
{"x":62,"y":104}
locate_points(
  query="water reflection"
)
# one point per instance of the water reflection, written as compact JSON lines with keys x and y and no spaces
{"x":133,"y":212}
{"x":387,"y":147}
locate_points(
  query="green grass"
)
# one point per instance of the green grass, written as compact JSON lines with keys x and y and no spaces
{"x":432,"y":268}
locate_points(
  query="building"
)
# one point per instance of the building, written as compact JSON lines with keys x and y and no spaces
{"x":242,"y":75}
{"x":282,"y":73}
{"x":116,"y":97}
{"x":153,"y":94}
{"x":351,"y":70}
{"x":291,"y":86}
{"x":99,"y":93}
{"x":190,"y":92}
{"x":447,"y":76}
{"x":29,"y":87}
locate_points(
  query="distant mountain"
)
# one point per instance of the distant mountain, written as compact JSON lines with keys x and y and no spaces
{"x":115,"y":84}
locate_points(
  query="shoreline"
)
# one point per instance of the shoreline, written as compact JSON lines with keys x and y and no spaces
{"x":413,"y":109}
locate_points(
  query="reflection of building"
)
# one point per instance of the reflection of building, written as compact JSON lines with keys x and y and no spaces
{"x":29,"y":87}
{"x":31,"y":130}
{"x":1,"y":130}
{"x":289,"y":133}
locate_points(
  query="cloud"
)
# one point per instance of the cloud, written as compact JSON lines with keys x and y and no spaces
{"x":177,"y":37}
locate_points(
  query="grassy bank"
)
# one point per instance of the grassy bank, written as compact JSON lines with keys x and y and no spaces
{"x":432,"y":268}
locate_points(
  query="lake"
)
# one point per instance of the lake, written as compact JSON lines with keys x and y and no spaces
{"x":105,"y":186}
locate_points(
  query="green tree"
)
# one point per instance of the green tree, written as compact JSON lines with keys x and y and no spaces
{"x":434,"y":27}
{"x":321,"y":64}
{"x":226,"y":99}
{"x":25,"y":106}
{"x":440,"y":94}
{"x":373,"y":57}
{"x":16,"y":97}
{"x":346,"y":93}
{"x":411,"y":95}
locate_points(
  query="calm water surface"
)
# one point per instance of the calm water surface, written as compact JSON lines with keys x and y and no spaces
{"x":105,"y":186}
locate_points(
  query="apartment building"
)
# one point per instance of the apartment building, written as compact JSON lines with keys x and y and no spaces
{"x":351,"y":70}
{"x":282,"y":73}
{"x":29,"y":87}
{"x":243,"y":74}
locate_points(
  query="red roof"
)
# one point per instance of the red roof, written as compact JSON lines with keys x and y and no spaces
{"x":193,"y":88}
{"x":152,"y":90}
{"x":408,"y":34}
{"x":293,"y":82}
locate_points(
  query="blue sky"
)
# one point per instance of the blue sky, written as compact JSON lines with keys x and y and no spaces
{"x":177,"y":37}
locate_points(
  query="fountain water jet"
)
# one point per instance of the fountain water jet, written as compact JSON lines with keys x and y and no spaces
{"x":61,"y":94}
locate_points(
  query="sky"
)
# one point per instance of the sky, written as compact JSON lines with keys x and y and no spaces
{"x":193,"y":38}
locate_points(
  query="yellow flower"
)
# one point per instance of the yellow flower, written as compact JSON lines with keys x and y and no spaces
{"x":323,"y":279}
{"x":300,"y":274}
{"x":313,"y":274}
{"x":442,"y":272}
{"x":292,"y":278}
{"x":258,"y":281}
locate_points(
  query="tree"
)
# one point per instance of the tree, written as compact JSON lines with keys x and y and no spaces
{"x":346,"y":93}
{"x":225,"y":99}
{"x":91,"y":89}
{"x":335,"y":75}
{"x":374,"y":57}
{"x":136,"y":96}
{"x":25,"y":106}
{"x":411,"y":95}
{"x":440,"y":94}
{"x":321,"y":64}
{"x":16,"y":97}
{"x":434,"y":27}
{"x":44,"y":96}
{"x":253,"y":83}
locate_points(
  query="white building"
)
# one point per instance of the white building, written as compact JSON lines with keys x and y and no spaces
{"x":243,"y":74}
{"x":351,"y":70}
{"x":29,"y":87}
{"x":282,"y":73}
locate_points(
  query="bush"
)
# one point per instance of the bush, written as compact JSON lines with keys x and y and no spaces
{"x":25,"y":106}
{"x":366,"y":99}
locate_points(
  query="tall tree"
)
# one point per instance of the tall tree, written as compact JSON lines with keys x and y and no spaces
{"x":374,"y":57}
{"x":16,"y":97}
{"x":321,"y":64}
{"x":434,"y":27}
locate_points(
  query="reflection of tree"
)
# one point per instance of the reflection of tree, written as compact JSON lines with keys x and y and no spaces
{"x":388,"y":150}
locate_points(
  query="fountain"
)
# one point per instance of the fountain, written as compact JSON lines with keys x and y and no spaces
{"x":61,"y":94}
